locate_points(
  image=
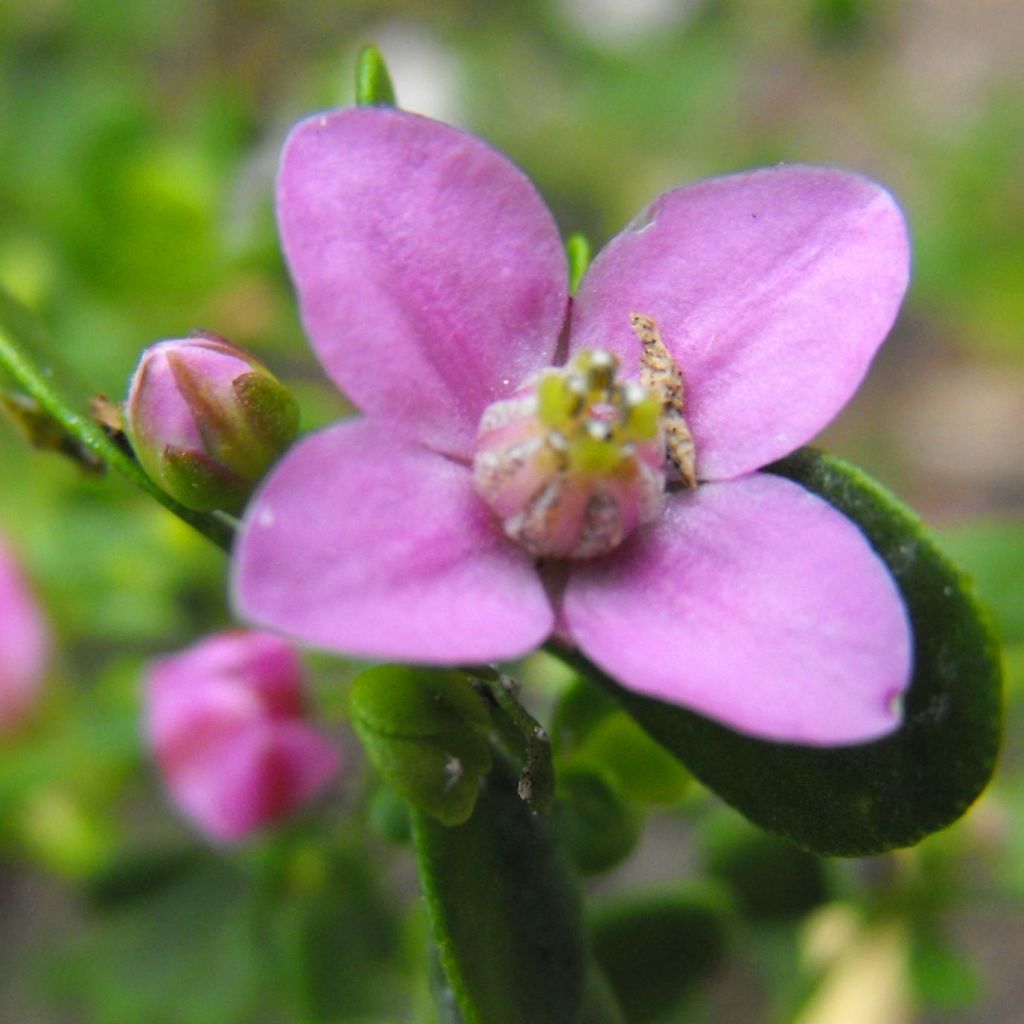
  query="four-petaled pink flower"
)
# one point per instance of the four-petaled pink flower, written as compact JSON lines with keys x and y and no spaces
{"x":227,"y":725}
{"x":433,"y":283}
{"x":24,"y":646}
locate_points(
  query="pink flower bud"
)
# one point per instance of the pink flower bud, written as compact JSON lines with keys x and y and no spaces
{"x":207,"y":419}
{"x":24,"y":646}
{"x":226,"y":722}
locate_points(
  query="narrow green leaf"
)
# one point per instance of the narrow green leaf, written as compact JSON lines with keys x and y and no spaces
{"x":503,"y":910}
{"x":577,"y":250}
{"x":373,"y":81}
{"x":855,"y":801}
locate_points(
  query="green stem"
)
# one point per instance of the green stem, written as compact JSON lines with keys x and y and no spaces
{"x":537,"y":778}
{"x":91,"y":437}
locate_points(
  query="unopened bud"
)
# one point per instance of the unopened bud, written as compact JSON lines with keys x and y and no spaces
{"x":207,"y":419}
{"x":227,"y":725}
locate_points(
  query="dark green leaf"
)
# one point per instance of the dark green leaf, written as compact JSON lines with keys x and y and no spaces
{"x":853,"y":801}
{"x":503,"y":909}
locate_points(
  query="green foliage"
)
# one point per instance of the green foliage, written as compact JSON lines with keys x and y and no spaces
{"x":424,"y":731}
{"x":503,"y":911}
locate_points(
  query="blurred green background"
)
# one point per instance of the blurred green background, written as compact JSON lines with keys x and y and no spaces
{"x":138,"y":144}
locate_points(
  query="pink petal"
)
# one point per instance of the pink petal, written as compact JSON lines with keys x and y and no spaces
{"x":376,"y":547}
{"x":430,"y":273}
{"x":773,"y":290}
{"x":251,"y":781}
{"x":24,"y":645}
{"x":754,"y":602}
{"x":227,"y":680}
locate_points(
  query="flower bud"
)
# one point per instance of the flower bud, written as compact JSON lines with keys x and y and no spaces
{"x":207,"y":419}
{"x":24,"y":646}
{"x":226,"y":722}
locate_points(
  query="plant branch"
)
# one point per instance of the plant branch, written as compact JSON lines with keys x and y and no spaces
{"x":14,"y":322}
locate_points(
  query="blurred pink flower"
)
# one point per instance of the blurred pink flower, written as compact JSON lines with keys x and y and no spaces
{"x":433,"y":284}
{"x":24,"y":645}
{"x":226,"y":722}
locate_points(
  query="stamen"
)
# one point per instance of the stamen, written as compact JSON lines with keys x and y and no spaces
{"x":661,"y":376}
{"x":574,"y":461}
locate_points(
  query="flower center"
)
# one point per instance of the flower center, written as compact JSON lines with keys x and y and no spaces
{"x":574,"y":460}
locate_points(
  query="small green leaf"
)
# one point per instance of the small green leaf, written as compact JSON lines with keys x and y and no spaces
{"x":588,"y":722}
{"x":373,"y":82}
{"x":577,"y":250}
{"x":771,"y":878}
{"x":654,"y":949}
{"x":580,"y":709}
{"x":856,"y":801}
{"x":425,"y":732}
{"x":503,"y":910}
{"x":597,"y":826}
{"x":647,"y":772}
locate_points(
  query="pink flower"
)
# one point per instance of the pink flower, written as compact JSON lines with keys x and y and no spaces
{"x":24,"y":646}
{"x":225,"y":719}
{"x":433,"y":284}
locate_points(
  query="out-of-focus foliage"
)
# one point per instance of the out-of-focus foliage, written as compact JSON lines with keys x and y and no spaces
{"x":138,"y":143}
